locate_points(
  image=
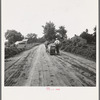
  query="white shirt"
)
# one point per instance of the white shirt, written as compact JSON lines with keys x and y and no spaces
{"x":57,"y":42}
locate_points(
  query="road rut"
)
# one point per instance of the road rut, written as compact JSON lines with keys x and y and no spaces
{"x":36,"y":67}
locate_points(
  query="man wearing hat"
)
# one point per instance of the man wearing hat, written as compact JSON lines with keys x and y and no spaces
{"x":57,"y":43}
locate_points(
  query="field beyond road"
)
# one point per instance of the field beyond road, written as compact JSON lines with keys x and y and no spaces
{"x":36,"y":67}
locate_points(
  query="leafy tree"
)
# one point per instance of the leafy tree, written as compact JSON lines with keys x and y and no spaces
{"x":62,"y":31}
{"x":87,"y":36}
{"x":49,"y":31}
{"x":86,"y":30}
{"x":41,"y":40}
{"x":32,"y":37}
{"x":94,"y":34}
{"x":78,"y":41}
{"x":12,"y":36}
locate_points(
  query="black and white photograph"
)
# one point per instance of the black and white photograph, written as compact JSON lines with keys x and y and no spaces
{"x":50,"y":43}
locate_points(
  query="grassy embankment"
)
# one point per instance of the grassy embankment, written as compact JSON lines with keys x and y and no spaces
{"x":13,"y":49}
{"x":79,"y":46}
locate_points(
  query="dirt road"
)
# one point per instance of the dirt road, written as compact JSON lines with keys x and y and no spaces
{"x":36,"y":67}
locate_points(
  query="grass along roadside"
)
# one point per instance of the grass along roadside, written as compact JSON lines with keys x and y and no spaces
{"x":13,"y":50}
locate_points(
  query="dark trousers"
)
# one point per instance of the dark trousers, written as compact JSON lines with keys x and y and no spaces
{"x":57,"y":49}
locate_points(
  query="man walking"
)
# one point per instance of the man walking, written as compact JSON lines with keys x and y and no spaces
{"x":57,"y":43}
{"x":46,"y":45}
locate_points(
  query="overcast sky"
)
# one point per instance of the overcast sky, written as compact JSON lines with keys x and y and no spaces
{"x":27,"y":16}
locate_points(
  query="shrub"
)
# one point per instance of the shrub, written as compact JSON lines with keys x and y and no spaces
{"x":13,"y":49}
{"x":78,"y":45}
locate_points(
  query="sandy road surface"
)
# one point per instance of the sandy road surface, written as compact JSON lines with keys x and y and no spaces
{"x":36,"y":67}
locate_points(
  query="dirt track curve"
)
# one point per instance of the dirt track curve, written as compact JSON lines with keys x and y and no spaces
{"x":36,"y":67}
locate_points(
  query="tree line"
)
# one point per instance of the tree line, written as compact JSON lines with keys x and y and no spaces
{"x":49,"y":34}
